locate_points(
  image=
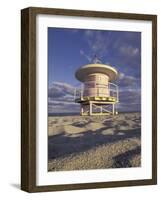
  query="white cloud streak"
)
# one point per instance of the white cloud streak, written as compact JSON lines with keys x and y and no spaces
{"x":129,"y":51}
{"x":61,"y":98}
{"x":85,"y":55}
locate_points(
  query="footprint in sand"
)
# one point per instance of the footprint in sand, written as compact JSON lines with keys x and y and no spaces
{"x":93,"y":126}
{"x":73,"y":130}
{"x":109,"y":131}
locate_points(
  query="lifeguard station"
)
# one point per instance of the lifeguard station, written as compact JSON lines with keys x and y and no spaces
{"x":97,"y":94}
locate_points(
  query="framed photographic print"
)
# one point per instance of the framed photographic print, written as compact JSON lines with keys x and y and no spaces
{"x":88,"y":99}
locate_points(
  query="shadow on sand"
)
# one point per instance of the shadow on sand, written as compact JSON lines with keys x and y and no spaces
{"x":123,"y":160}
{"x":63,"y":145}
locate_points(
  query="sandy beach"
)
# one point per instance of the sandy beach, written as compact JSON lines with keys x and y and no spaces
{"x":94,"y":142}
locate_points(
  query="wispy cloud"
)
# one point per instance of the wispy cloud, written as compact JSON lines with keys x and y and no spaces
{"x":60,"y":89}
{"x":130,"y":100}
{"x":129,"y":93}
{"x":98,"y":42}
{"x":129,"y":50}
{"x":85,"y":55}
{"x":61,"y":98}
{"x":89,"y":33}
{"x":113,"y":47}
{"x":128,"y":82}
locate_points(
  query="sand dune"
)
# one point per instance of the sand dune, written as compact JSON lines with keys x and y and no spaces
{"x":83,"y":142}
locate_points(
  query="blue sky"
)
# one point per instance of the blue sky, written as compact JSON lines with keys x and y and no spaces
{"x":68,"y":49}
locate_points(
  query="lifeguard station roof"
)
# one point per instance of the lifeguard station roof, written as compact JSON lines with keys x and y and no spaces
{"x":85,"y":70}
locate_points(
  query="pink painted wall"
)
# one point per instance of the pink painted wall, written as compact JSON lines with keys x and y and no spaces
{"x":96,"y":84}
